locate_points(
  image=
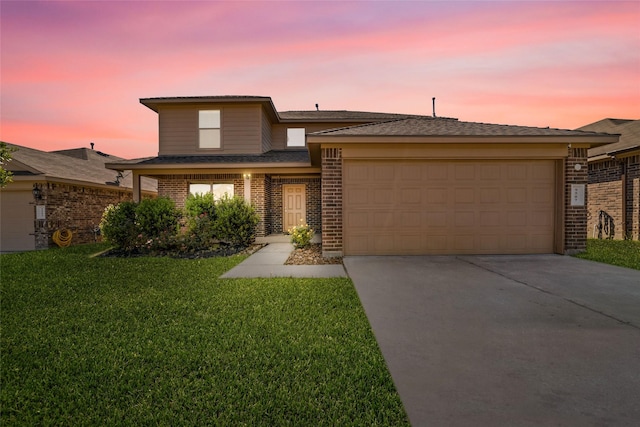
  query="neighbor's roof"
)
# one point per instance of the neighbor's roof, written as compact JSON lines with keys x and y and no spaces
{"x":629,"y":131}
{"x":428,"y":126}
{"x":81,"y":165}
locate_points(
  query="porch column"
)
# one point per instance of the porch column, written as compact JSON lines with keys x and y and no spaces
{"x":247,"y":187}
{"x":136,"y":186}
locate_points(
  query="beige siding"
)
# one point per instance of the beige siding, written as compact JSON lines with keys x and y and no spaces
{"x":409,"y":207}
{"x":266,"y":132}
{"x":241,"y":129}
{"x":16,"y":221}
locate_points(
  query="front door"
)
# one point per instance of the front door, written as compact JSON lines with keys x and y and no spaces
{"x":294,"y":205}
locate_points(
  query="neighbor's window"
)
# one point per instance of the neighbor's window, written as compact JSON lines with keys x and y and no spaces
{"x":295,"y":137}
{"x":218,"y":190}
{"x":209,"y":124}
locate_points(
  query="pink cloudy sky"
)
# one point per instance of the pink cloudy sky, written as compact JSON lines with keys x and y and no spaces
{"x":72,"y":72}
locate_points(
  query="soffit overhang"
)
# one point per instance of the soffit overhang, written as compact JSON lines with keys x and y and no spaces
{"x":316,"y":142}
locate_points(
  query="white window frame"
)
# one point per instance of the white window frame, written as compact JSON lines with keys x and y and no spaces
{"x":209,"y":135}
{"x":214,"y":188}
{"x":296,"y":137}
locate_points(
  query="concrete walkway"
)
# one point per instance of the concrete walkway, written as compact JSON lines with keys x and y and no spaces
{"x":269,"y":262}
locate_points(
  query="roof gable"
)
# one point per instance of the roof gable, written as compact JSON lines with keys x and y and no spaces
{"x":629,"y":131}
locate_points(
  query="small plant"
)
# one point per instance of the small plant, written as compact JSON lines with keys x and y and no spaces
{"x":301,"y":234}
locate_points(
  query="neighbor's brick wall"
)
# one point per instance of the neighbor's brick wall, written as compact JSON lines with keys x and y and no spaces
{"x":77,"y":208}
{"x":575,"y":232}
{"x":313,"y":202}
{"x":605,"y":194}
{"x":632,"y":178}
{"x":606,"y":187}
{"x":332,"y":201}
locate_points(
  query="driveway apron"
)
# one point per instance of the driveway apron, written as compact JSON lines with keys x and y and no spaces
{"x":506,"y":340}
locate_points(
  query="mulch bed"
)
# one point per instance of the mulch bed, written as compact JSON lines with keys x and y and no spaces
{"x":220,"y":251}
{"x":311,"y":255}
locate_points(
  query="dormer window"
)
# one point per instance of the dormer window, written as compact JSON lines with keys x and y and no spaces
{"x":209,"y":124}
{"x":295,"y":137}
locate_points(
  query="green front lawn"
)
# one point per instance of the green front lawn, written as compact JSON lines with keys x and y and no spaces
{"x":160,"y":341}
{"x":624,"y":253}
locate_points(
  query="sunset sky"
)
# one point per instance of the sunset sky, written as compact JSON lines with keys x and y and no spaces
{"x":73,"y":72}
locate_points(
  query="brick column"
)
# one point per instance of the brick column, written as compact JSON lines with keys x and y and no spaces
{"x":575,"y":219}
{"x":260,"y":189}
{"x":331,"y":202}
{"x":176,"y":189}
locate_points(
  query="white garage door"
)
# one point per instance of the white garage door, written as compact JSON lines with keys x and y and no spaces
{"x":16,"y":221}
{"x":409,"y":207}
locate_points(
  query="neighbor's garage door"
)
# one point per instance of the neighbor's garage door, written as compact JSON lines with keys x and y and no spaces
{"x":16,"y":221}
{"x":408,"y":207}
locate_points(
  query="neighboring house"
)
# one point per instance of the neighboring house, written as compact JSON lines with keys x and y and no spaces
{"x":614,"y":181}
{"x":59,"y":189}
{"x":375,"y":183}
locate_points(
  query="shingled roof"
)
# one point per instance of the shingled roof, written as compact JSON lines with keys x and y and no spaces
{"x":82,"y":165}
{"x":428,"y":126}
{"x":629,"y":131}
{"x":278,"y":116}
{"x":341,"y":115}
{"x":296,"y":158}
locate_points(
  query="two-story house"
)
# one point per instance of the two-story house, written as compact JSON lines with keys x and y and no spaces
{"x":376,"y":183}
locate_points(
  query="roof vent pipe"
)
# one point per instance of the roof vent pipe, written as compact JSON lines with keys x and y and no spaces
{"x":91,"y":145}
{"x":317,"y":108}
{"x":433,"y":100}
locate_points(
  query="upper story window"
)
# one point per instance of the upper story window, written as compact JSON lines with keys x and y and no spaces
{"x":209,"y":124}
{"x":295,"y":137}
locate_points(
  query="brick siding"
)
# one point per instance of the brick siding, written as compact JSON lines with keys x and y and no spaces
{"x":77,"y":208}
{"x":313,"y":202}
{"x":575,"y":231}
{"x":331,"y":202}
{"x":605,"y":199}
{"x":176,"y":187}
{"x":608,"y":181}
{"x":632,"y":178}
{"x":260,"y":199}
{"x":266,"y":195}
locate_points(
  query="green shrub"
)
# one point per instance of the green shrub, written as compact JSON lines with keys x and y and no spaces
{"x":118,"y":225}
{"x":158,"y":216}
{"x":235,"y":221}
{"x":199,"y":204}
{"x":200,"y":210}
{"x":301,"y":234}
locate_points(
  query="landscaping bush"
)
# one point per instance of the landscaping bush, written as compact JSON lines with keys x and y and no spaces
{"x":201,"y":213}
{"x":301,"y":235}
{"x":118,"y":225}
{"x":235,"y":221}
{"x":156,"y":217}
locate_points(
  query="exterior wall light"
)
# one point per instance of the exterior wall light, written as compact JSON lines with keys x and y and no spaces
{"x":246,"y":176}
{"x":37,"y":191}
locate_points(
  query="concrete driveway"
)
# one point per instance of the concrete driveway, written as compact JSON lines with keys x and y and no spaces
{"x":540,"y":340}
